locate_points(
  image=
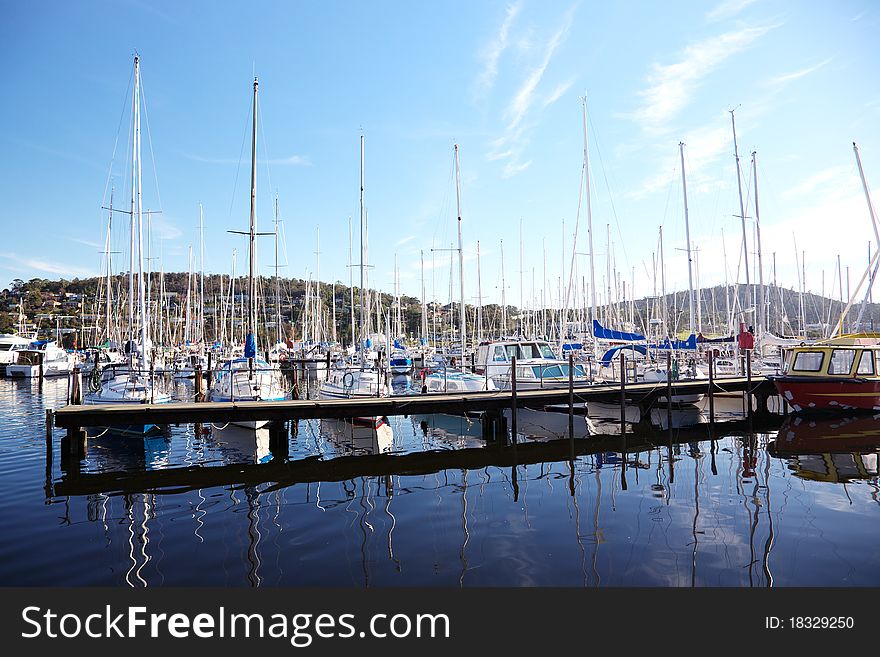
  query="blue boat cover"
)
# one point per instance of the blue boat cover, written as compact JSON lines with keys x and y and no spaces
{"x":690,"y":343}
{"x":611,"y":353}
{"x":602,"y":333}
{"x":250,"y":346}
{"x":568,"y":346}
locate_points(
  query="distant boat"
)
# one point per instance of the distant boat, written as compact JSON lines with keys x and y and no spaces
{"x":56,"y":361}
{"x":400,"y":363}
{"x":9,"y":346}
{"x":536,"y":365}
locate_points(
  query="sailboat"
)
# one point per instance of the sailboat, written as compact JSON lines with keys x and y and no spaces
{"x":249,"y":378}
{"x":453,"y":379}
{"x":133,"y":381}
{"x":360,"y":379}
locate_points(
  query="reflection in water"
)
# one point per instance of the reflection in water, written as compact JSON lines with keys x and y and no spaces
{"x":352,"y":438}
{"x":198,"y":507}
{"x":243,"y":444}
{"x":837,"y":450}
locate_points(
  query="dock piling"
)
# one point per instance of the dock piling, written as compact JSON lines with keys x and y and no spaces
{"x":711,"y":388}
{"x":748,"y":393}
{"x":210,"y":371}
{"x":571,"y":395}
{"x":513,"y":399}
{"x":669,"y":390}
{"x":199,"y":396}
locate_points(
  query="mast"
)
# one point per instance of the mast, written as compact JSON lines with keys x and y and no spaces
{"x":109,"y":282}
{"x":479,"y":297}
{"x":663,"y":284}
{"x":503,"y":300}
{"x":363,"y":333}
{"x":202,"y":275}
{"x":742,"y":211}
{"x":250,"y":340}
{"x":277,"y":280}
{"x":590,"y":231}
{"x":351,"y":285}
{"x":134,"y":198}
{"x":137,"y":208}
{"x":424,"y":309}
{"x":687,"y":229}
{"x":762,"y":318}
{"x":461,"y":312}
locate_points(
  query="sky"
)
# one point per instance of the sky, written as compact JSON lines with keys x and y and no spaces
{"x":504,"y":81}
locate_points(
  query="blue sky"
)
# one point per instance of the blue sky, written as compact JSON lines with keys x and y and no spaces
{"x":501,"y":79}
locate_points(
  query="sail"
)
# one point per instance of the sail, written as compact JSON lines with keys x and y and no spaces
{"x":602,"y":333}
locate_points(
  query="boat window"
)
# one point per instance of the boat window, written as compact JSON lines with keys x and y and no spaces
{"x":841,"y":361}
{"x":546,"y":351}
{"x":524,"y":373}
{"x":501,"y":355}
{"x":550,"y":371}
{"x":808,"y":361}
{"x":866,"y":363}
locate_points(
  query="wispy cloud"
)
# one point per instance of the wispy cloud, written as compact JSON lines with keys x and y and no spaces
{"x":493,"y":51}
{"x":293,"y":160}
{"x":831,"y":182}
{"x":78,"y":240}
{"x":519,"y":113}
{"x":670,"y":85}
{"x":513,"y":168}
{"x":34,"y":264}
{"x":703,"y":147}
{"x":727,"y":9}
{"x":780,"y":80}
{"x":525,"y":96}
{"x":402,"y":241}
{"x":164,"y":228}
{"x":560,"y":90}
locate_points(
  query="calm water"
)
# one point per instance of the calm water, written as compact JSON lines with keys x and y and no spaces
{"x":798,"y":506}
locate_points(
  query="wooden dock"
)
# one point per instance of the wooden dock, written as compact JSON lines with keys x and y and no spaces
{"x":645,"y":395}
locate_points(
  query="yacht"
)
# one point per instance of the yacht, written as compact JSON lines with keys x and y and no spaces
{"x":56,"y":361}
{"x":536,"y":365}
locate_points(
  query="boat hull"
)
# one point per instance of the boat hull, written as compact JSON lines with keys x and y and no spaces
{"x":823,"y":394}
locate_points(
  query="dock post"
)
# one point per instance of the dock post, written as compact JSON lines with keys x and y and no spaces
{"x":622,"y":393}
{"x":327,"y":372}
{"x":748,"y":395}
{"x":40,"y":357}
{"x":294,"y":391}
{"x":210,"y":370}
{"x":570,"y":395}
{"x":513,"y":399}
{"x":711,"y":388}
{"x":50,"y":424}
{"x":669,"y":390}
{"x":198,"y":384}
{"x":623,"y":420}
{"x":152,"y":381}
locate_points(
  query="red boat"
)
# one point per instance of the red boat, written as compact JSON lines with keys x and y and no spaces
{"x":832,"y":376}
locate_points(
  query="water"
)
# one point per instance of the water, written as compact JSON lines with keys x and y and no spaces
{"x":398,"y":507}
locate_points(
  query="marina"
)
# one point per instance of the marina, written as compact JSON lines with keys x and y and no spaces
{"x":407,"y":297}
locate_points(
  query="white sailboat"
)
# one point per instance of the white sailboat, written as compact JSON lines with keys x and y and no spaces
{"x":450,"y":378}
{"x":249,"y":378}
{"x":133,"y":382}
{"x":360,"y":379}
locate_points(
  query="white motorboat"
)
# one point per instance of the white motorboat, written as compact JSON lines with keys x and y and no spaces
{"x":55,"y":361}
